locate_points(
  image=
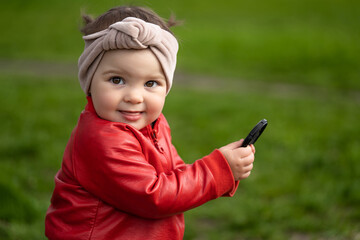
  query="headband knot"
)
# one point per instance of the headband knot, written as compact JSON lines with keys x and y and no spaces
{"x":130,"y":33}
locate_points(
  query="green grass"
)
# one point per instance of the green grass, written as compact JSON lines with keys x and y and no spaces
{"x":305,"y":181}
{"x":308,"y":42}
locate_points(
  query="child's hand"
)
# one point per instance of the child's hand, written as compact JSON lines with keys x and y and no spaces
{"x":239,"y":158}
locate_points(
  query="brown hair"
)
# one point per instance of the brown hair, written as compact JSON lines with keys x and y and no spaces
{"x":119,"y":13}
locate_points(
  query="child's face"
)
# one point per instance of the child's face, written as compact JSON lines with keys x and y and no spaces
{"x":129,"y":86}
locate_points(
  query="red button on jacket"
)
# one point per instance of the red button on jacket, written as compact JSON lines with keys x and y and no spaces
{"x":120,"y":183}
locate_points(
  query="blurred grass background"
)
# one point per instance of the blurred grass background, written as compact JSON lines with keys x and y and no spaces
{"x":295,"y":63}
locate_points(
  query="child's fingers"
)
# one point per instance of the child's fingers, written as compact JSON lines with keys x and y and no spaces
{"x":252,"y":148}
{"x":248,"y":160}
{"x":233,"y":145}
{"x":236,"y":144}
{"x":245,"y":175}
{"x":244,"y":151}
{"x":248,"y":168}
{"x":240,"y":142}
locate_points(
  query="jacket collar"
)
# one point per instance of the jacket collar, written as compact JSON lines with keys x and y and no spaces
{"x":90,"y":106}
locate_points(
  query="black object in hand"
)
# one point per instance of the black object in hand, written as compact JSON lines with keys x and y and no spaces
{"x":255,"y":133}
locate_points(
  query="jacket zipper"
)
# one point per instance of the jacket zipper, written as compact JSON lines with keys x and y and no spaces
{"x":154,"y":137}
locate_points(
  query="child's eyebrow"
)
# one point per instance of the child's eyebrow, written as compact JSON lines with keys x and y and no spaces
{"x":112,"y":70}
{"x":124,"y":73}
{"x":157,"y":77}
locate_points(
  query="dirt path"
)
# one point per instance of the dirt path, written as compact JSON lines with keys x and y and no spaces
{"x":69,"y":70}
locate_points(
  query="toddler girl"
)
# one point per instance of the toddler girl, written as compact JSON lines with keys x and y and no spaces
{"x":121,"y":177}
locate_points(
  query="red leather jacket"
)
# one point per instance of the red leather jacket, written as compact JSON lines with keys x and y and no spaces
{"x":120,"y":183}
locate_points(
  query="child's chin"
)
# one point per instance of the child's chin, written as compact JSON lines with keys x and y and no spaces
{"x":138,"y":126}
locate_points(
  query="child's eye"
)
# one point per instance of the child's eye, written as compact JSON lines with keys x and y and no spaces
{"x":117,"y":80}
{"x":151,"y":84}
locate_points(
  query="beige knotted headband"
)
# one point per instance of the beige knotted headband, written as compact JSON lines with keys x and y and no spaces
{"x":130,"y":33}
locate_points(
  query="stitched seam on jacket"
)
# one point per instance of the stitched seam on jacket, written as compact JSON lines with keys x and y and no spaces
{"x":94,"y":219}
{"x":74,"y":152}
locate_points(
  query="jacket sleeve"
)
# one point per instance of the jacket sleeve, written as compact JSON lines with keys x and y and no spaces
{"x":120,"y":175}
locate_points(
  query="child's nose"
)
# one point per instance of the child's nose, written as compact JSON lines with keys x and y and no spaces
{"x":133,"y":96}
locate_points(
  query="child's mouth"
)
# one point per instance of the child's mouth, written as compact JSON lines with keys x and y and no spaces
{"x":131,"y":116}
